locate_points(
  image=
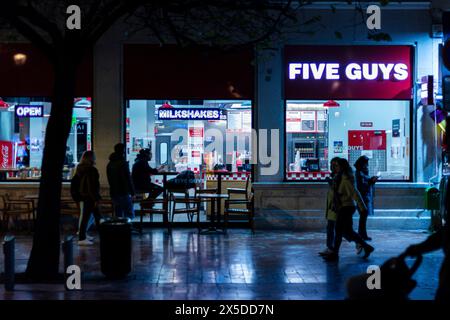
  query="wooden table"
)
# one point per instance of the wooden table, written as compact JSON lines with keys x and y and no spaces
{"x":214,"y":214}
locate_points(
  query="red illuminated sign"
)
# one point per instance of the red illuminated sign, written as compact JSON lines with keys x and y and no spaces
{"x":196,"y":132}
{"x":348,"y":72}
{"x":6,"y":154}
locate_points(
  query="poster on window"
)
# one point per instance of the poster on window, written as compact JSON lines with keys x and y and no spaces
{"x":308,"y":119}
{"x":321,"y":121}
{"x":6,"y":154}
{"x":338,"y":147}
{"x":293,"y":121}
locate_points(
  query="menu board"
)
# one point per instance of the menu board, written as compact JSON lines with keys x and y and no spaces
{"x":234,"y":121}
{"x":247,"y":120}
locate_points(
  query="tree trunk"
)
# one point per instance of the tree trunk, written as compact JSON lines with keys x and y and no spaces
{"x":43,"y":263}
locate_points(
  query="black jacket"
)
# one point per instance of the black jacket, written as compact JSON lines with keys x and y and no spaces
{"x":364,"y":185}
{"x":141,"y":174}
{"x":89,"y":188}
{"x":119,"y":178}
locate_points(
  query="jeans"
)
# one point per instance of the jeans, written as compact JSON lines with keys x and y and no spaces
{"x":153,"y":190}
{"x":331,"y":224}
{"x":344,"y":228}
{"x":87,"y":208}
{"x":123,"y":206}
{"x":362,"y":227}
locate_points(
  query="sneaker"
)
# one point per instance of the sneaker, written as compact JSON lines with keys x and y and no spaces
{"x":359,"y":248}
{"x":367,"y":251}
{"x":90,"y":238}
{"x":325,"y":252}
{"x":85,"y":242}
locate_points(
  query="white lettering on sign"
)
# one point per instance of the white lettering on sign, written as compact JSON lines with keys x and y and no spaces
{"x":29,"y":111}
{"x":5,"y":157}
{"x":353,"y":71}
{"x":355,"y":147}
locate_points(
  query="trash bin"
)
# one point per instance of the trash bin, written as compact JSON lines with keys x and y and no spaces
{"x":115,"y":247}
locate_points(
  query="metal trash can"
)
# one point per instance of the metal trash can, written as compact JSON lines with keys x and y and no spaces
{"x":115,"y":247}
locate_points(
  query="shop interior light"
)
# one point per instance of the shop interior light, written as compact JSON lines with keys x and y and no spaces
{"x":20,"y":59}
{"x":3,"y":104}
{"x":331,"y":104}
{"x":166,"y":105}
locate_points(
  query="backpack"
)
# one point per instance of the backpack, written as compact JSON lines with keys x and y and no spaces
{"x":75,"y":188}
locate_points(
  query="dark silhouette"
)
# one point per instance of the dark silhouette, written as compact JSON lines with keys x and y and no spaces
{"x":89,"y":192}
{"x":142,"y":172}
{"x":344,"y":197}
{"x":438,"y":240}
{"x":364,"y":184}
{"x":120,"y":186}
{"x":330,"y":215}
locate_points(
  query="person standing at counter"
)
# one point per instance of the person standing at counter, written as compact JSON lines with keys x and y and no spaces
{"x":120,"y":186}
{"x":142,"y":172}
{"x":89,"y":195}
{"x":364,"y":184}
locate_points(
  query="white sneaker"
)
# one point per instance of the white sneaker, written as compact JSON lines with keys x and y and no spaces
{"x":90,"y":238}
{"x":85,"y":242}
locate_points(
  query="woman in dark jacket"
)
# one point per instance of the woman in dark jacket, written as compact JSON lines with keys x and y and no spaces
{"x":89,"y":195}
{"x":364,"y":184}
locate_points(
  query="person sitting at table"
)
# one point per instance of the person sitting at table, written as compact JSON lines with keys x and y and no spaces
{"x":142,"y":172}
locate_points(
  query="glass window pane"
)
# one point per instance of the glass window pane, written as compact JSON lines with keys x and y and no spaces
{"x":317,"y":131}
{"x":23,"y":122}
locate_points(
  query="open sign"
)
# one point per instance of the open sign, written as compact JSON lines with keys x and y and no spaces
{"x":27,"y":111}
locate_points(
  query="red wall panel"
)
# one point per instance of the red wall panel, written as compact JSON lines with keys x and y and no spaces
{"x":36,"y":77}
{"x":171,"y":72}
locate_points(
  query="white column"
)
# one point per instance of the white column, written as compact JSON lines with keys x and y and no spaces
{"x":108,"y":104}
{"x":270,"y":109}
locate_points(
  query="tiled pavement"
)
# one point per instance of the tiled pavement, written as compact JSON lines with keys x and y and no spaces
{"x":272,"y":265}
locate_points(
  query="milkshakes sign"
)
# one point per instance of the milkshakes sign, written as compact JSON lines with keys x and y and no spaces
{"x":348,"y":72}
{"x":190,"y":114}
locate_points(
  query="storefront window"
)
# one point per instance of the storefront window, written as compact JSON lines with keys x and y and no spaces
{"x":317,"y":131}
{"x":23,"y":122}
{"x":197,"y":135}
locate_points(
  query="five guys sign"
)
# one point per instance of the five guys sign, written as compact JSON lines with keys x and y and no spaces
{"x":348,"y":72}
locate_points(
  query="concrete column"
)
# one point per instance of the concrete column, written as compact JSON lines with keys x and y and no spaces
{"x":270,"y":110}
{"x":107,"y":111}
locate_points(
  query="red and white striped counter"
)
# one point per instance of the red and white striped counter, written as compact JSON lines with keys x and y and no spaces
{"x":235,"y":176}
{"x":309,"y":176}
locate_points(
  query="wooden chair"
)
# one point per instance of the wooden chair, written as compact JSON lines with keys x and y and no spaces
{"x":241,"y":191}
{"x":147,"y":207}
{"x":16,"y":208}
{"x":240,"y":210}
{"x":191,"y":207}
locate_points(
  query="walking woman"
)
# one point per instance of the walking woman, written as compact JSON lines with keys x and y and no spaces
{"x":330,"y":215}
{"x":364,"y":184}
{"x":89,"y":195}
{"x":344,"y":197}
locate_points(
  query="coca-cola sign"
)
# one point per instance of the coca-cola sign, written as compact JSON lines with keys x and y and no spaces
{"x":6,"y":154}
